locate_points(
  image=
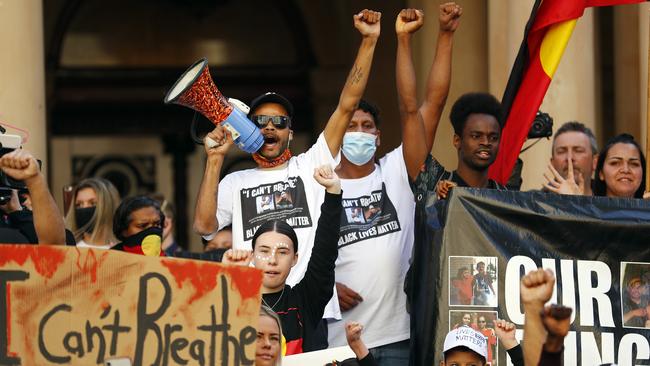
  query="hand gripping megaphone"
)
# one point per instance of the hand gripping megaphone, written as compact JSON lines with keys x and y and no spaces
{"x":195,"y":89}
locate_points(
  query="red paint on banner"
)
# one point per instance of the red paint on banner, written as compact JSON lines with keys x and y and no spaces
{"x":202,"y":276}
{"x":90,"y":263}
{"x":246,"y":280}
{"x":97,"y":295}
{"x":46,"y":259}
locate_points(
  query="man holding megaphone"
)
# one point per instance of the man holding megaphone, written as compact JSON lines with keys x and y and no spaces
{"x":282,"y":186}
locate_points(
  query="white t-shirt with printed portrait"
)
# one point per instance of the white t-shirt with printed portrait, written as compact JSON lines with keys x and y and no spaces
{"x":375,"y":245}
{"x":248,"y":198}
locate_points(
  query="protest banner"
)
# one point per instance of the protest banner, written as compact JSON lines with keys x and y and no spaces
{"x":66,"y":305}
{"x":472,"y":250}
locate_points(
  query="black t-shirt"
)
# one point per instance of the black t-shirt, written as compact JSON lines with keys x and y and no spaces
{"x":22,"y":222}
{"x":432,"y":172}
{"x":629,"y":305}
{"x":214,"y":255}
{"x":301,"y":307}
{"x":12,"y":236}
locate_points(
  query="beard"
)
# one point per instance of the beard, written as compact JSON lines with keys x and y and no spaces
{"x":270,"y":155}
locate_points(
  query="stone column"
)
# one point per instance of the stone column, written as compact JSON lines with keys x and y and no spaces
{"x":643,"y":39}
{"x":22,"y":72}
{"x":628,"y":62}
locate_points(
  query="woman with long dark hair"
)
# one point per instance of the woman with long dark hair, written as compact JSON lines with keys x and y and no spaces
{"x":620,"y":171}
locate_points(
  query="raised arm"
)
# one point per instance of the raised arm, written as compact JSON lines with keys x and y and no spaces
{"x":48,"y":221}
{"x":505,"y":333}
{"x":205,"y":212}
{"x":353,"y":334}
{"x":317,"y":286}
{"x":557,"y":321}
{"x":413,"y":137}
{"x":536,"y":289}
{"x":367,"y":23}
{"x":439,"y":79}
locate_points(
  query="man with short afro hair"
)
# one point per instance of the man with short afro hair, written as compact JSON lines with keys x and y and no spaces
{"x":477,"y":133}
{"x":473,"y":103}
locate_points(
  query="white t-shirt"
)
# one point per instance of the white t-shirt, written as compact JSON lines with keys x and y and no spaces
{"x":374,"y":250}
{"x":248,"y":198}
{"x":82,"y":244}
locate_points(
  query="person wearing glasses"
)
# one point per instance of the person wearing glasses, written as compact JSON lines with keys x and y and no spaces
{"x":489,"y":334}
{"x":235,"y":197}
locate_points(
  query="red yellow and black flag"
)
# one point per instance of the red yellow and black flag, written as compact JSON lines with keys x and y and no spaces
{"x":547,"y":33}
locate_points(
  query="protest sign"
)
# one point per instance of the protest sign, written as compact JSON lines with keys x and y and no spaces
{"x":472,"y":250}
{"x":66,"y":305}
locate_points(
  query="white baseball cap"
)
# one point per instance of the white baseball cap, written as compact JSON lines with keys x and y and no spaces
{"x":467,"y":337}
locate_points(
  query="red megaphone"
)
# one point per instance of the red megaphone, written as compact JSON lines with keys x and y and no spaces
{"x":195,"y":89}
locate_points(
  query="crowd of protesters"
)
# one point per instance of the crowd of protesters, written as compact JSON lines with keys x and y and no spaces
{"x":323,"y":282}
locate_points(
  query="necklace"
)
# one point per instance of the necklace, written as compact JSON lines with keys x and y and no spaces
{"x":276,"y":302}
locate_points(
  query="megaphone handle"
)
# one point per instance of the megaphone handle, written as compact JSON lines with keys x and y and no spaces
{"x":211,"y":143}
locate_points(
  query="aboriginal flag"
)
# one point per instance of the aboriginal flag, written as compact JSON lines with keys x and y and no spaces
{"x":547,"y":33}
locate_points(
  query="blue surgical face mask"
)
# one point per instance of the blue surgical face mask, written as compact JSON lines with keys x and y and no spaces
{"x":359,"y":147}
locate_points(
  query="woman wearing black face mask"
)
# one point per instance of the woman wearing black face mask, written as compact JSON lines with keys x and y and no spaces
{"x":137,"y":223}
{"x":90,"y":217}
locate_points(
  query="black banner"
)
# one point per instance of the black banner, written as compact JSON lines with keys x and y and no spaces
{"x":472,"y":250}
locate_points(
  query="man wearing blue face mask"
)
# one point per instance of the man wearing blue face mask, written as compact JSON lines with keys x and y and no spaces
{"x":376,"y":234}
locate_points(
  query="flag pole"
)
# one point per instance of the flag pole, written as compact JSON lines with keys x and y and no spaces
{"x":647,"y":129}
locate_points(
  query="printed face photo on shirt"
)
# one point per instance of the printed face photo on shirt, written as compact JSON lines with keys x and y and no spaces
{"x":480,"y":321}
{"x":355,"y":215}
{"x":473,"y":281}
{"x":264,"y":203}
{"x":372,"y":212}
{"x":635,"y":295}
{"x":283,"y":200}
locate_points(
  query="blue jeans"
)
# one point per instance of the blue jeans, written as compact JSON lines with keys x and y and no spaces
{"x":393,"y":354}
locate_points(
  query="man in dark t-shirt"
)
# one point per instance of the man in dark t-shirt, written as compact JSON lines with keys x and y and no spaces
{"x":482,"y":285}
{"x":635,"y":304}
{"x":477,"y":134}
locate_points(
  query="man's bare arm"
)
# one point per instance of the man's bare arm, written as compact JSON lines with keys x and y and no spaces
{"x":439,"y":79}
{"x":48,"y":221}
{"x":414,"y":148}
{"x":536,"y":289}
{"x":205,"y":211}
{"x":368,"y":24}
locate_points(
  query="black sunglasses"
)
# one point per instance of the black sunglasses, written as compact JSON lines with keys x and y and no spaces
{"x":280,"y":122}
